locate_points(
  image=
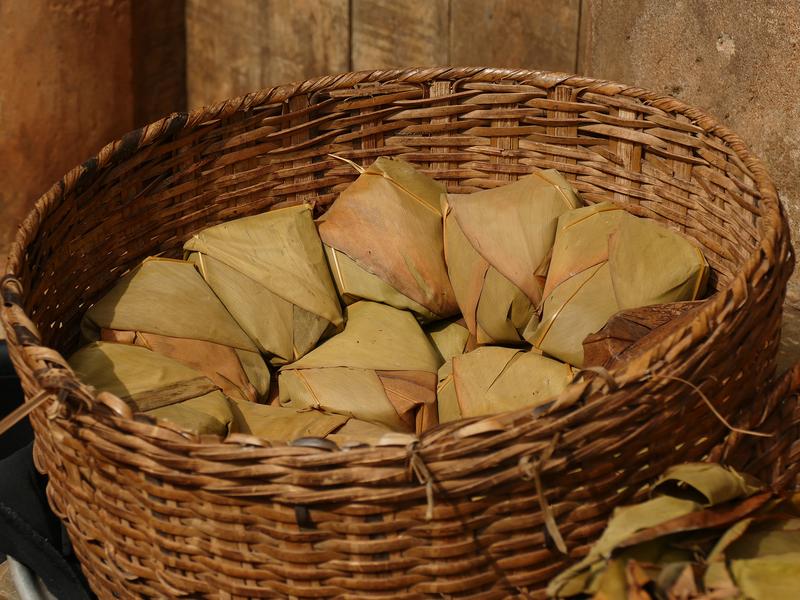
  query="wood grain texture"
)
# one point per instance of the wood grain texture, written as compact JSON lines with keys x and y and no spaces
{"x":399,"y":33}
{"x":239,"y":46}
{"x":65,"y":91}
{"x":532,"y":34}
{"x":158,"y":59}
{"x":243,"y":45}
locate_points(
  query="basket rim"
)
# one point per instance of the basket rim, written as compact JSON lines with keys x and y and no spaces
{"x":23,"y":334}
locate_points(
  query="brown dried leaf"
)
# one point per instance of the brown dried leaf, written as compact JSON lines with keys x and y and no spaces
{"x":704,"y":519}
{"x":388,"y":222}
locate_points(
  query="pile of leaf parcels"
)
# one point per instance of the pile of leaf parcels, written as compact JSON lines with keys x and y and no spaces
{"x":402,"y":307}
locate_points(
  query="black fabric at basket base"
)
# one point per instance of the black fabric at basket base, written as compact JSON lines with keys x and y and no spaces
{"x":31,"y":534}
{"x":11,"y":397}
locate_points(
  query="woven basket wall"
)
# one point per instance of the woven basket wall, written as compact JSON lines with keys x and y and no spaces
{"x":476,"y":509}
{"x":775,"y":460}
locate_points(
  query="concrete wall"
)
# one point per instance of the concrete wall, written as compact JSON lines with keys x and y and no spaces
{"x":739,"y":60}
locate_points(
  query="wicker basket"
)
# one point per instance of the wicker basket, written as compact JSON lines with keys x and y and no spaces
{"x":476,"y":509}
{"x":775,"y":459}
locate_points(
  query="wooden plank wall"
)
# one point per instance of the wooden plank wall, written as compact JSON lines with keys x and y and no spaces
{"x":65,"y":91}
{"x":237,"y":46}
{"x":158,"y":59}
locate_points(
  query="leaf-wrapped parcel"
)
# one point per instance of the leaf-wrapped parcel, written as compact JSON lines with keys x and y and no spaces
{"x":271,"y":274}
{"x":383,"y":239}
{"x":168,"y":389}
{"x":157,"y":385}
{"x":605,"y":260}
{"x":164,"y":305}
{"x":492,"y":379}
{"x":281,"y":424}
{"x":497,"y":243}
{"x":380,"y":369}
{"x":450,"y":338}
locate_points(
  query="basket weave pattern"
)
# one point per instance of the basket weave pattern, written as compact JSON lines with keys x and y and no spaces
{"x":478,"y":508}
